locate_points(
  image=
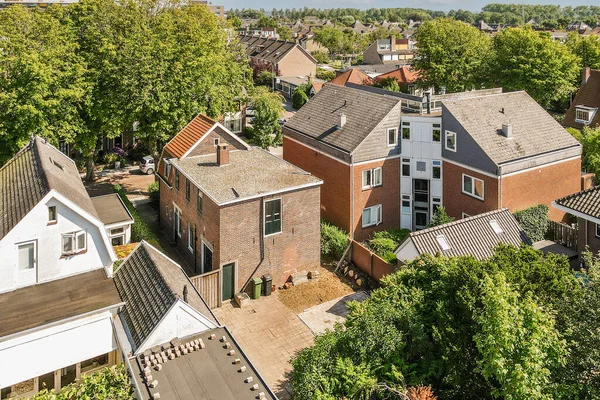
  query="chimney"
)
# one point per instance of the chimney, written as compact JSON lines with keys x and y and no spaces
{"x":587,"y":181}
{"x":185,"y":293}
{"x":222,"y":155}
{"x":586,"y":75}
{"x":342,"y":121}
{"x":393,"y":42}
{"x":507,"y":130}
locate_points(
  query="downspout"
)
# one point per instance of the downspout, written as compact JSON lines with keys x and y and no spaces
{"x":261,"y":240}
{"x":195,"y":249}
{"x":500,"y":169}
{"x":352,"y":196}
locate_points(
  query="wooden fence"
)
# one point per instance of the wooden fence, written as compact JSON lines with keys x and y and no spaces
{"x":369,"y":262}
{"x":562,"y":234}
{"x":209,"y":286}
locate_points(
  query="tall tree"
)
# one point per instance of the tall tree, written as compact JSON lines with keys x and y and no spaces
{"x":451,"y":54}
{"x":526,"y":60}
{"x":268,"y":108}
{"x":587,"y":48}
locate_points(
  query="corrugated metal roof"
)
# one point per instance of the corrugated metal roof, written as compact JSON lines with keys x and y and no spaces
{"x":586,"y":202}
{"x":473,"y":236}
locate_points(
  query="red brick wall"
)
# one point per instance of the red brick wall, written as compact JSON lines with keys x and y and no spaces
{"x":207,"y":145}
{"x":335,"y":191}
{"x":456,"y":202}
{"x":542,"y":186}
{"x":388,"y":195}
{"x":296,"y":248}
{"x":590,"y":239}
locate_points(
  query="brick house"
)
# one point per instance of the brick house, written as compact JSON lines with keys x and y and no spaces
{"x":389,"y":51}
{"x":505,"y":150}
{"x":237,"y":209}
{"x":584,"y":206}
{"x":584,"y":108}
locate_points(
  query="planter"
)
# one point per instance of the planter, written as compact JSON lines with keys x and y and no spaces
{"x":117,"y":164}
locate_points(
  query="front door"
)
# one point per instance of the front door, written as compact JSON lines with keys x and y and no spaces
{"x":27,"y":264}
{"x":177,"y":225}
{"x":227,"y":276}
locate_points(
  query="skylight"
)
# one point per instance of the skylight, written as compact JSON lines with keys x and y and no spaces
{"x":496,"y":227}
{"x":443,"y":242}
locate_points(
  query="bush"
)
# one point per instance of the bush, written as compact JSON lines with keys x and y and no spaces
{"x":440,"y":217}
{"x":333,"y":240}
{"x":140,"y":229}
{"x":154,"y":194}
{"x":534,"y":221}
{"x":325,"y":75}
{"x":299,"y":98}
{"x":384,"y":243}
{"x":576,"y":133}
{"x":265,"y":78}
{"x":322,"y":57}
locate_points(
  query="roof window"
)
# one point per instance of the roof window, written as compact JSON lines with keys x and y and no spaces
{"x":443,"y":242}
{"x":496,"y":227}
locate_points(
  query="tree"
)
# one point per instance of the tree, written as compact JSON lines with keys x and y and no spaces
{"x":284,"y":32}
{"x":587,"y":48}
{"x":234,"y":20}
{"x":268,"y":108}
{"x":526,"y":60}
{"x":330,"y":38}
{"x":439,"y":217}
{"x":41,"y":79}
{"x":300,"y":97}
{"x":451,"y":54}
{"x":590,"y":157}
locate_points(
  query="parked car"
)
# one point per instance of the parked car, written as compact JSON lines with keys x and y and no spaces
{"x":147,"y":165}
{"x":250,"y":111}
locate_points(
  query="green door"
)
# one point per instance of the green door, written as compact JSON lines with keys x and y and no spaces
{"x":227,"y":281}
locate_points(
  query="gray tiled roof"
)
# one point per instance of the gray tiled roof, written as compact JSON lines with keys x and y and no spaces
{"x":150,"y":283}
{"x":30,"y":175}
{"x":319,"y":117}
{"x":271,"y":50}
{"x":249,"y":173}
{"x":586,"y":202}
{"x":534,"y":130}
{"x":471,"y":236}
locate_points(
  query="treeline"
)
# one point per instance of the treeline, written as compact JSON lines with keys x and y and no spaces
{"x":95,"y":69}
{"x":550,"y":16}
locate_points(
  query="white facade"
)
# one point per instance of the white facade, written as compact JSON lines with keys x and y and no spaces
{"x":46,"y":237}
{"x":421,"y":170}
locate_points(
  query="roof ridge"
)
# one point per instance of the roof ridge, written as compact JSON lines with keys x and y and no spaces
{"x":457,"y":222}
{"x":28,"y":146}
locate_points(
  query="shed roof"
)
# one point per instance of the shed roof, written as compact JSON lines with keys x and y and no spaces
{"x":473,"y":236}
{"x":111,"y":210}
{"x":586,"y":202}
{"x":535,"y":131}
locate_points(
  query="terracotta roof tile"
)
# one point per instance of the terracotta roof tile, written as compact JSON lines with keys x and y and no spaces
{"x":403,"y":75}
{"x":189,"y":135}
{"x":589,"y":96}
{"x":353,"y":75}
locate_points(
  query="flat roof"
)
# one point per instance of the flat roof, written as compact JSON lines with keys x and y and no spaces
{"x":204,"y":374}
{"x":111,"y":209}
{"x":41,"y":304}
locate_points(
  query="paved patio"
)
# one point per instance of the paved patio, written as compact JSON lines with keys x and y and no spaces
{"x":270,"y":334}
{"x":325,"y":316}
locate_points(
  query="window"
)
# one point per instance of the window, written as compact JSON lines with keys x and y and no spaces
{"x":178,"y":221}
{"x":177,"y":179}
{"x":371,"y":178}
{"x":443,"y":242}
{"x":496,"y":227}
{"x":406,"y":167}
{"x":465,"y":215}
{"x":371,"y":216}
{"x":421,"y":166}
{"x":406,"y":130}
{"x":598,"y":230}
{"x":584,"y":115}
{"x":207,"y":258}
{"x":74,"y":243}
{"x":217,"y":141}
{"x":436,"y":133}
{"x":26,"y":256}
{"x":187,"y":190}
{"x":18,"y":389}
{"x":199,"y":205}
{"x":52,"y":214}
{"x":94,"y":363}
{"x":405,"y":209}
{"x":473,"y":186}
{"x":272,"y":217}
{"x":190,"y":238}
{"x":233,"y":122}
{"x":116,"y":231}
{"x":63,"y":147}
{"x":392,"y":136}
{"x":436,"y":169}
{"x":450,"y":141}
{"x":167,"y":169}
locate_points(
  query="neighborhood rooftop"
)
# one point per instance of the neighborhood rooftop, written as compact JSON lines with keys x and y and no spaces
{"x":36,"y":305}
{"x":534,"y":131}
{"x":150,"y":284}
{"x":110,"y":209}
{"x":30,"y":175}
{"x":189,"y":135}
{"x":586,"y":202}
{"x":587,"y":96}
{"x":270,"y":50}
{"x":476,"y":236}
{"x":249,"y":173}
{"x":320,"y":117}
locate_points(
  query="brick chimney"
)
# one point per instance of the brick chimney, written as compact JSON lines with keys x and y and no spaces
{"x":222,"y":154}
{"x":586,"y":75}
{"x":587,"y":181}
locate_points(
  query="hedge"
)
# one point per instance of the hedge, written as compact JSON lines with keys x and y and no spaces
{"x":383,"y":243}
{"x":333,"y":240}
{"x":534,"y":221}
{"x":140,"y":229}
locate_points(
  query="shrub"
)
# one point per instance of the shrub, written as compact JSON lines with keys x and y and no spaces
{"x":397,"y":235}
{"x":440,"y":217}
{"x":299,"y":98}
{"x":140,"y":229}
{"x":265,"y":78}
{"x":576,"y":133}
{"x":154,"y":194}
{"x":333,"y":240}
{"x":534,"y":221}
{"x":322,"y":57}
{"x":325,"y":75}
{"x":384,"y":243}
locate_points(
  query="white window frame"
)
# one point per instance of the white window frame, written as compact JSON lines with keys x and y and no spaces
{"x":372,"y":175}
{"x":590,"y":113}
{"x":443,"y":242}
{"x":405,"y":161}
{"x":378,"y":216}
{"x":19,"y":245}
{"x":405,"y":125}
{"x":473,"y":179}
{"x":464,"y":215}
{"x":234,"y":120}
{"x":177,"y":221}
{"x":496,"y":227}
{"x":446,"y":141}
{"x":395,"y":143}
{"x":406,"y":197}
{"x":190,"y":238}
{"x":74,"y":238}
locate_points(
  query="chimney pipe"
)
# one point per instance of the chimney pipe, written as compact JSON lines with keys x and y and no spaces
{"x":428,"y":100}
{"x":342,"y":121}
{"x":222,"y":155}
{"x":507,"y":130}
{"x":586,"y":75}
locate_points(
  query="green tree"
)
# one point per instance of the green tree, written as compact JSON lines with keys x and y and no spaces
{"x":440,"y":217}
{"x":299,"y":97}
{"x":331,"y":38}
{"x":390,"y":84}
{"x":587,"y":48}
{"x":451,"y":54}
{"x":234,"y":20}
{"x":590,"y":157}
{"x":268,"y":108}
{"x":526,"y":60}
{"x":284,"y":32}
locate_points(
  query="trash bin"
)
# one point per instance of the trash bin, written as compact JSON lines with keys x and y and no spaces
{"x":257,"y":287}
{"x":267,"y":285}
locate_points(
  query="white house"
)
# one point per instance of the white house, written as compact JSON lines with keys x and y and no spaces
{"x":57,"y":296}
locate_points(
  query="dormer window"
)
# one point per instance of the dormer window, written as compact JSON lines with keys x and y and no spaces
{"x":443,"y":242}
{"x":52,"y":217}
{"x":584,"y":115}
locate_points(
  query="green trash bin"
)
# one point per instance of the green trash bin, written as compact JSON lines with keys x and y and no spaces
{"x":257,"y":288}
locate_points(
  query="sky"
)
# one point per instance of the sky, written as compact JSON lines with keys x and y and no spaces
{"x":443,"y":5}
